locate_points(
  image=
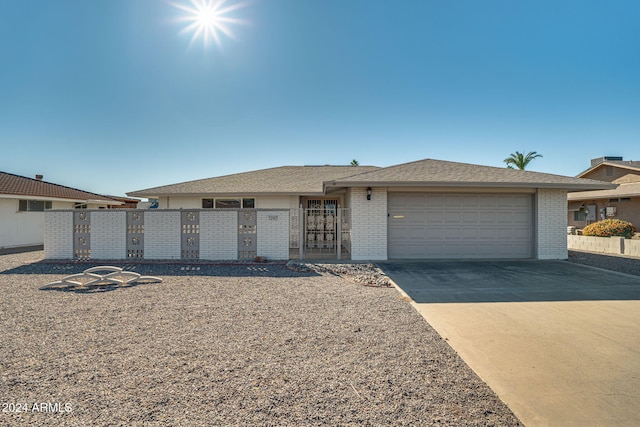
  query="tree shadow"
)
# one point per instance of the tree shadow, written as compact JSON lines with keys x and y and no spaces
{"x":165,"y":268}
{"x":96,"y":288}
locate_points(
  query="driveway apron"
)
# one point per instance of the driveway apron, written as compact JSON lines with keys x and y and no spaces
{"x":558,"y":342}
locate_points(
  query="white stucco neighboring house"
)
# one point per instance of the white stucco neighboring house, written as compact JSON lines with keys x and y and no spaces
{"x":418,"y":210}
{"x":23,"y":202}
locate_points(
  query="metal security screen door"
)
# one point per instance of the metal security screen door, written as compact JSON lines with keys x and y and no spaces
{"x":326,"y":229}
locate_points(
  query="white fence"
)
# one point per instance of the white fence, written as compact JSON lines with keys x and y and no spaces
{"x":605,"y":245}
{"x":204,"y":234}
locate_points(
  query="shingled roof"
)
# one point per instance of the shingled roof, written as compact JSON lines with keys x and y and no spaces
{"x":625,"y":164}
{"x":439,"y":173}
{"x":284,"y":180}
{"x":628,"y":186}
{"x":16,"y":185}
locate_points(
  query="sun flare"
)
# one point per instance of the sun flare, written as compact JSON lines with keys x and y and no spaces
{"x":209,"y":20}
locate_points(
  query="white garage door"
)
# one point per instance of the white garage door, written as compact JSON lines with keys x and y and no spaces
{"x":430,"y":225}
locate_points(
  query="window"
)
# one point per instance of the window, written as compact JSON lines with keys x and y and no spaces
{"x":80,"y":206}
{"x":625,"y":199}
{"x":613,"y":200}
{"x":229,"y":203}
{"x":579,"y":216}
{"x":33,"y":205}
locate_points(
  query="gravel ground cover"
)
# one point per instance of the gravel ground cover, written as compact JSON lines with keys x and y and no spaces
{"x":254,"y":345}
{"x":620,"y":264}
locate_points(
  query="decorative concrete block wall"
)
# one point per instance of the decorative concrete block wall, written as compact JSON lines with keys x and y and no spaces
{"x":108,"y":235}
{"x":369,"y":224}
{"x":632,"y":247}
{"x":193,"y":234}
{"x":273,"y":234}
{"x":604,"y":245}
{"x":551,"y":218}
{"x":162,"y":235}
{"x":218,"y":235}
{"x":58,"y":235}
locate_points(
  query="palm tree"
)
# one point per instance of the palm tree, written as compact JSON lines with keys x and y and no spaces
{"x":520,"y":160}
{"x":354,"y":162}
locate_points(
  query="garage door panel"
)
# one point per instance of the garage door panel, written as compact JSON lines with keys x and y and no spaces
{"x":487,"y":202}
{"x":435,"y":217}
{"x":486,"y":218}
{"x":452,"y":217}
{"x":454,"y":233}
{"x":435,"y":201}
{"x":504,"y":217}
{"x":453,"y":201}
{"x":522,"y":201}
{"x":522,"y":218}
{"x":460,"y":226}
{"x":470,"y":217}
{"x":435,"y":233}
{"x":469,"y":233}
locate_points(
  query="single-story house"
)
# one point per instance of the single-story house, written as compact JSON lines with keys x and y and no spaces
{"x":23,"y":202}
{"x":422,"y":209}
{"x":124,"y":203}
{"x":622,"y":202}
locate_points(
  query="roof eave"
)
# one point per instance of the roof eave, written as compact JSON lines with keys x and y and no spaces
{"x":58,"y":199}
{"x":564,"y":186}
{"x":239,"y":194}
{"x":606,"y":195}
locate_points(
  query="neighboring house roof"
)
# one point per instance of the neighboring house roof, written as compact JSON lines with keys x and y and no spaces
{"x":124,"y":199}
{"x":17,"y":186}
{"x":438,"y":173}
{"x":627,"y":179}
{"x":623,"y":190}
{"x":284,"y":180}
{"x":631,"y":165}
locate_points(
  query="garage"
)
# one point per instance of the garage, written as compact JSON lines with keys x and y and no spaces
{"x":446,"y":225}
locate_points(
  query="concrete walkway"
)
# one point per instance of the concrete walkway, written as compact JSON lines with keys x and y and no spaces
{"x":558,"y":342}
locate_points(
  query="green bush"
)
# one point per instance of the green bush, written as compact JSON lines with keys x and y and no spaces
{"x":610,"y":227}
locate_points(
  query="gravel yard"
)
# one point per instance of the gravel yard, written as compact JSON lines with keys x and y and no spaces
{"x":254,"y":345}
{"x":620,"y":264}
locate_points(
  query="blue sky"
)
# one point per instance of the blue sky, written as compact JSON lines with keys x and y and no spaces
{"x":109,"y":96}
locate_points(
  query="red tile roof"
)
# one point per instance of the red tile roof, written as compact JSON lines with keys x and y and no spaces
{"x":17,"y":185}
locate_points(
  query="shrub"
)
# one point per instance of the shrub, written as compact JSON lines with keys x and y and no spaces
{"x":610,"y":227}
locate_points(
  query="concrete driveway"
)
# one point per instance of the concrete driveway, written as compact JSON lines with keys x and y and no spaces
{"x":558,"y":342}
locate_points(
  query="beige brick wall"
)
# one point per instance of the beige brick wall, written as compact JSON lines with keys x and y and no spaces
{"x":108,"y":235}
{"x":273,"y":234}
{"x":218,"y":235}
{"x":58,"y":235}
{"x":551,"y":218}
{"x":368,"y":224}
{"x":162,"y":238}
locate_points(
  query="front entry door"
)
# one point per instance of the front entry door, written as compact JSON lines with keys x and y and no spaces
{"x":321,"y":226}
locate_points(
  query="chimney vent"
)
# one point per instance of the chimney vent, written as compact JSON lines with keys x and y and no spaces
{"x":39,"y":177}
